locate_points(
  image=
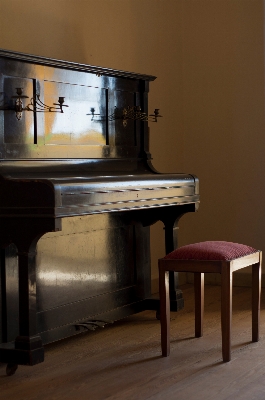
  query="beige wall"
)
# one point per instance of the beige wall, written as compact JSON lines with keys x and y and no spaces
{"x":208,"y":56}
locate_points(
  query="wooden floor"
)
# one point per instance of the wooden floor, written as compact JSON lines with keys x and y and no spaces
{"x":123,"y":361}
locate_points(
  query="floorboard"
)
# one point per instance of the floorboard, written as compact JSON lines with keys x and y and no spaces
{"x":123,"y":361}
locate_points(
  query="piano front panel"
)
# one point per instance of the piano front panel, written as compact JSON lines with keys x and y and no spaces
{"x":85,"y":129}
{"x":81,"y":261}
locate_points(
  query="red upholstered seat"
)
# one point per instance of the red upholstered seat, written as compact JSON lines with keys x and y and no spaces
{"x":211,"y":250}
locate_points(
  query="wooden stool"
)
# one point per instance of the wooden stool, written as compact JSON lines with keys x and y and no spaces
{"x":212,"y":256}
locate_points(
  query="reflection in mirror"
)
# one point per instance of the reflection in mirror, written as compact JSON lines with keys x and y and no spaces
{"x":75,"y":125}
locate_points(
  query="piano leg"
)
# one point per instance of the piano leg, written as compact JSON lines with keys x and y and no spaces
{"x":28,"y":344}
{"x":27,"y":349}
{"x":176,"y":296}
{"x":171,"y":243}
{"x":170,"y":217}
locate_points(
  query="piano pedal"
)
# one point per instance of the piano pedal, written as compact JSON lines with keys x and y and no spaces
{"x":11,"y":369}
{"x":86,"y":326}
{"x":93,"y":324}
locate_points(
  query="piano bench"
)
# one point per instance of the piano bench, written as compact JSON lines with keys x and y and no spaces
{"x":208,"y":257}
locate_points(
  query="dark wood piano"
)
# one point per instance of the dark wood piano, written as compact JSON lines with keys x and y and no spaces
{"x":78,"y":194}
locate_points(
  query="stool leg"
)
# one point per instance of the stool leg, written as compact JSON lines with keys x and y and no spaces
{"x":226,"y":310}
{"x":164,"y":311}
{"x":199,"y":302}
{"x":256,"y":289}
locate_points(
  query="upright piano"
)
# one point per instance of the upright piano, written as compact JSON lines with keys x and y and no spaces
{"x":78,"y":194}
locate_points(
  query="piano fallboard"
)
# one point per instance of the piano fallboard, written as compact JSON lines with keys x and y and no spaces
{"x":81,"y":195}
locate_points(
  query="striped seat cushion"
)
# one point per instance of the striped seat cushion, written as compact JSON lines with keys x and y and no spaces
{"x":211,"y":250}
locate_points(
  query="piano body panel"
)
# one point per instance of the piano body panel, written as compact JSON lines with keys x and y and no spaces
{"x":78,"y":194}
{"x":88,"y":269}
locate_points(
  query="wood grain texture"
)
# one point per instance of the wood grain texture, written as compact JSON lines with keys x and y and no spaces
{"x":164,"y":311}
{"x":199,"y":303}
{"x":256,"y":293}
{"x":123,"y":361}
{"x":226,"y":310}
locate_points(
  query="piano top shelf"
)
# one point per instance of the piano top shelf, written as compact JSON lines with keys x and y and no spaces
{"x":52,"y":62}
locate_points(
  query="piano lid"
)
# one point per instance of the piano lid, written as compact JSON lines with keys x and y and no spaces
{"x":53,"y":62}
